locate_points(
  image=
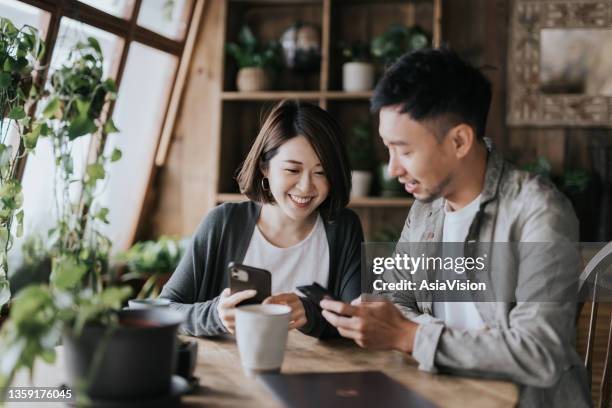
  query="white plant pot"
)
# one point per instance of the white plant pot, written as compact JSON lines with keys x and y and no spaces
{"x":361,"y":181}
{"x":252,"y":80}
{"x":357,"y":76}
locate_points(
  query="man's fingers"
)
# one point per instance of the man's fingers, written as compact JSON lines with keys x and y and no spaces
{"x":339,"y":307}
{"x":342,"y":321}
{"x":238,"y":297}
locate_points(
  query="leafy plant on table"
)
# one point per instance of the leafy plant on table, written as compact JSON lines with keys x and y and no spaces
{"x":20,"y":53}
{"x":152,"y":261}
{"x":250,"y":53}
{"x":77,"y":293}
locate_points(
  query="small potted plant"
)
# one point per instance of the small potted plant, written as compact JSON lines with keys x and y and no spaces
{"x":357,"y":72}
{"x":109,"y":353}
{"x":361,"y":152}
{"x":254,"y":60}
{"x":396,"y":41}
{"x":151,"y":262}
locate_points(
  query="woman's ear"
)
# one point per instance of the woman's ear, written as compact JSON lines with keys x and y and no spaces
{"x":264,"y":169}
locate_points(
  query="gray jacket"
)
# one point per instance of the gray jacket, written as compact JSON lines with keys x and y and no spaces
{"x":224,"y":236}
{"x":528,"y":341}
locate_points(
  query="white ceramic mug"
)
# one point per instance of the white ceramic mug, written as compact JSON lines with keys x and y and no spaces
{"x":261,"y":334}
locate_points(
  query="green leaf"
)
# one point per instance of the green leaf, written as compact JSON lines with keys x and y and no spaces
{"x":95,"y":171}
{"x":81,"y":126}
{"x":5,"y":291}
{"x":52,"y":109}
{"x":102,"y":214}
{"x":31,"y":138}
{"x":109,"y":127}
{"x":94,"y":44}
{"x":67,"y":272}
{"x":116,"y":155}
{"x":6,"y":152}
{"x":17,"y":113}
{"x":5,"y":79}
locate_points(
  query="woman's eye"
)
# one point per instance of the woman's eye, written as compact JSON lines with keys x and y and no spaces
{"x":320,"y":173}
{"x":292,"y":171}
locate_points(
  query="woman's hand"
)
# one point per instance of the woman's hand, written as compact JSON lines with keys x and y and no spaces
{"x":226,"y":308}
{"x":298,"y":314}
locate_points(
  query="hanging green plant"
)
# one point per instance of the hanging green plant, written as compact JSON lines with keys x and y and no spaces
{"x":21,"y":51}
{"x":77,"y":293}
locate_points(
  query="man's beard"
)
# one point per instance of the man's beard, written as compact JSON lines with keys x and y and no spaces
{"x":435,"y":193}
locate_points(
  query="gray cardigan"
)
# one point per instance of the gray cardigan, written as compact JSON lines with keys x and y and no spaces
{"x":223,"y":236}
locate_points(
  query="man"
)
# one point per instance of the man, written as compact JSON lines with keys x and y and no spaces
{"x":433,"y":109}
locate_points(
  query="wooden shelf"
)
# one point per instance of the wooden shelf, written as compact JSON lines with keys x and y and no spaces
{"x":379,"y":202}
{"x":278,"y":95}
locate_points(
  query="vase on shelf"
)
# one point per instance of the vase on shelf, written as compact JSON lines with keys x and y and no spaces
{"x":252,"y":79}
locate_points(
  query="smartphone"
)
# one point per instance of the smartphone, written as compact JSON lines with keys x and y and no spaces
{"x":244,"y":277}
{"x":316,"y":293}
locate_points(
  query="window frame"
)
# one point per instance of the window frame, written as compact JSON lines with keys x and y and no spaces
{"x":127,"y":29}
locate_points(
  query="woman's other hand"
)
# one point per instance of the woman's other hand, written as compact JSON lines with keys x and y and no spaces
{"x":298,"y":314}
{"x":226,"y":308}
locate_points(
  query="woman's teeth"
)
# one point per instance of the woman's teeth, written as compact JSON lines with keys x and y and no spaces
{"x":300,"y":200}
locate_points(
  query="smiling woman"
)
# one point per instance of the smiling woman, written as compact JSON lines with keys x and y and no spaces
{"x":296,"y":225}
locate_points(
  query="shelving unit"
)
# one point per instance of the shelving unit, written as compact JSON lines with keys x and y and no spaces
{"x":241,"y":113}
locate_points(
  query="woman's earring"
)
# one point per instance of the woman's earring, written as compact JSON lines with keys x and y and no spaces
{"x":265,"y":184}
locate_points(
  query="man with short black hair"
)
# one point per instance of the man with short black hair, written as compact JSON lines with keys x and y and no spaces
{"x":433,"y":109}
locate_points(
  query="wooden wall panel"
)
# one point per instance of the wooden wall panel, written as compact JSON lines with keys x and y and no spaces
{"x":187,"y":184}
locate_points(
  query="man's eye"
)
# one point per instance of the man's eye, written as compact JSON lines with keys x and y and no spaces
{"x":406,"y":153}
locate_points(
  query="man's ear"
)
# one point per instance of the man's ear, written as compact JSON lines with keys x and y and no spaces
{"x":462,"y":138}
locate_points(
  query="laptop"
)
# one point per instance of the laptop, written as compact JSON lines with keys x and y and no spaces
{"x":355,"y":389}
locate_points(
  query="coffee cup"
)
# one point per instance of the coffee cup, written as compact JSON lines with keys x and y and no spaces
{"x":261,"y":334}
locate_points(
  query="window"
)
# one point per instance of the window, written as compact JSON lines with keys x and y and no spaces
{"x":143,"y":44}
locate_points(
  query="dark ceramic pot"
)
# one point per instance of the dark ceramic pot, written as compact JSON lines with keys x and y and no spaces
{"x":138,"y":360}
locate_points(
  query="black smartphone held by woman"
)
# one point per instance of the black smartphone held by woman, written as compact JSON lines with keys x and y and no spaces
{"x":244,"y":277}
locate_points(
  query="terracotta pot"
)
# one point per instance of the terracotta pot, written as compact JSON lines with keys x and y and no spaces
{"x":252,"y":80}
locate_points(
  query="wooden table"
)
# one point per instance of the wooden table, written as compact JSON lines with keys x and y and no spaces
{"x":223,"y":383}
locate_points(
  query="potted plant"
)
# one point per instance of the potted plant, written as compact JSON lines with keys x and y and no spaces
{"x":152,"y":262}
{"x":396,"y":41}
{"x":361,"y":152}
{"x":357,"y":71}
{"x":254,"y":61}
{"x":20,"y":53}
{"x":109,"y":353}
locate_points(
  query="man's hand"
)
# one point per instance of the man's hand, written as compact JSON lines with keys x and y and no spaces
{"x":375,"y":325}
{"x":226,"y":308}
{"x":298,"y":314}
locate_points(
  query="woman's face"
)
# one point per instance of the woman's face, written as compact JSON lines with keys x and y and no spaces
{"x":297,"y":180}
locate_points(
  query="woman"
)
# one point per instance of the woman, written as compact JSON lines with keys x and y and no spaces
{"x":295,"y":225}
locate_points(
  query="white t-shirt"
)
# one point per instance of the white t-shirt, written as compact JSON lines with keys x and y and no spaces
{"x":459,"y":315}
{"x":301,"y":264}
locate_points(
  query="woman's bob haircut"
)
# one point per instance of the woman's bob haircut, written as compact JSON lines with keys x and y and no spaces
{"x":289,"y":119}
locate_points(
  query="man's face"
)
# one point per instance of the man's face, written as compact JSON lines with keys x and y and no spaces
{"x":419,"y":161}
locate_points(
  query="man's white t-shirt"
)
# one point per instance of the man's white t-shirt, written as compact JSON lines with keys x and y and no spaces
{"x":301,"y":264}
{"x":459,"y":315}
